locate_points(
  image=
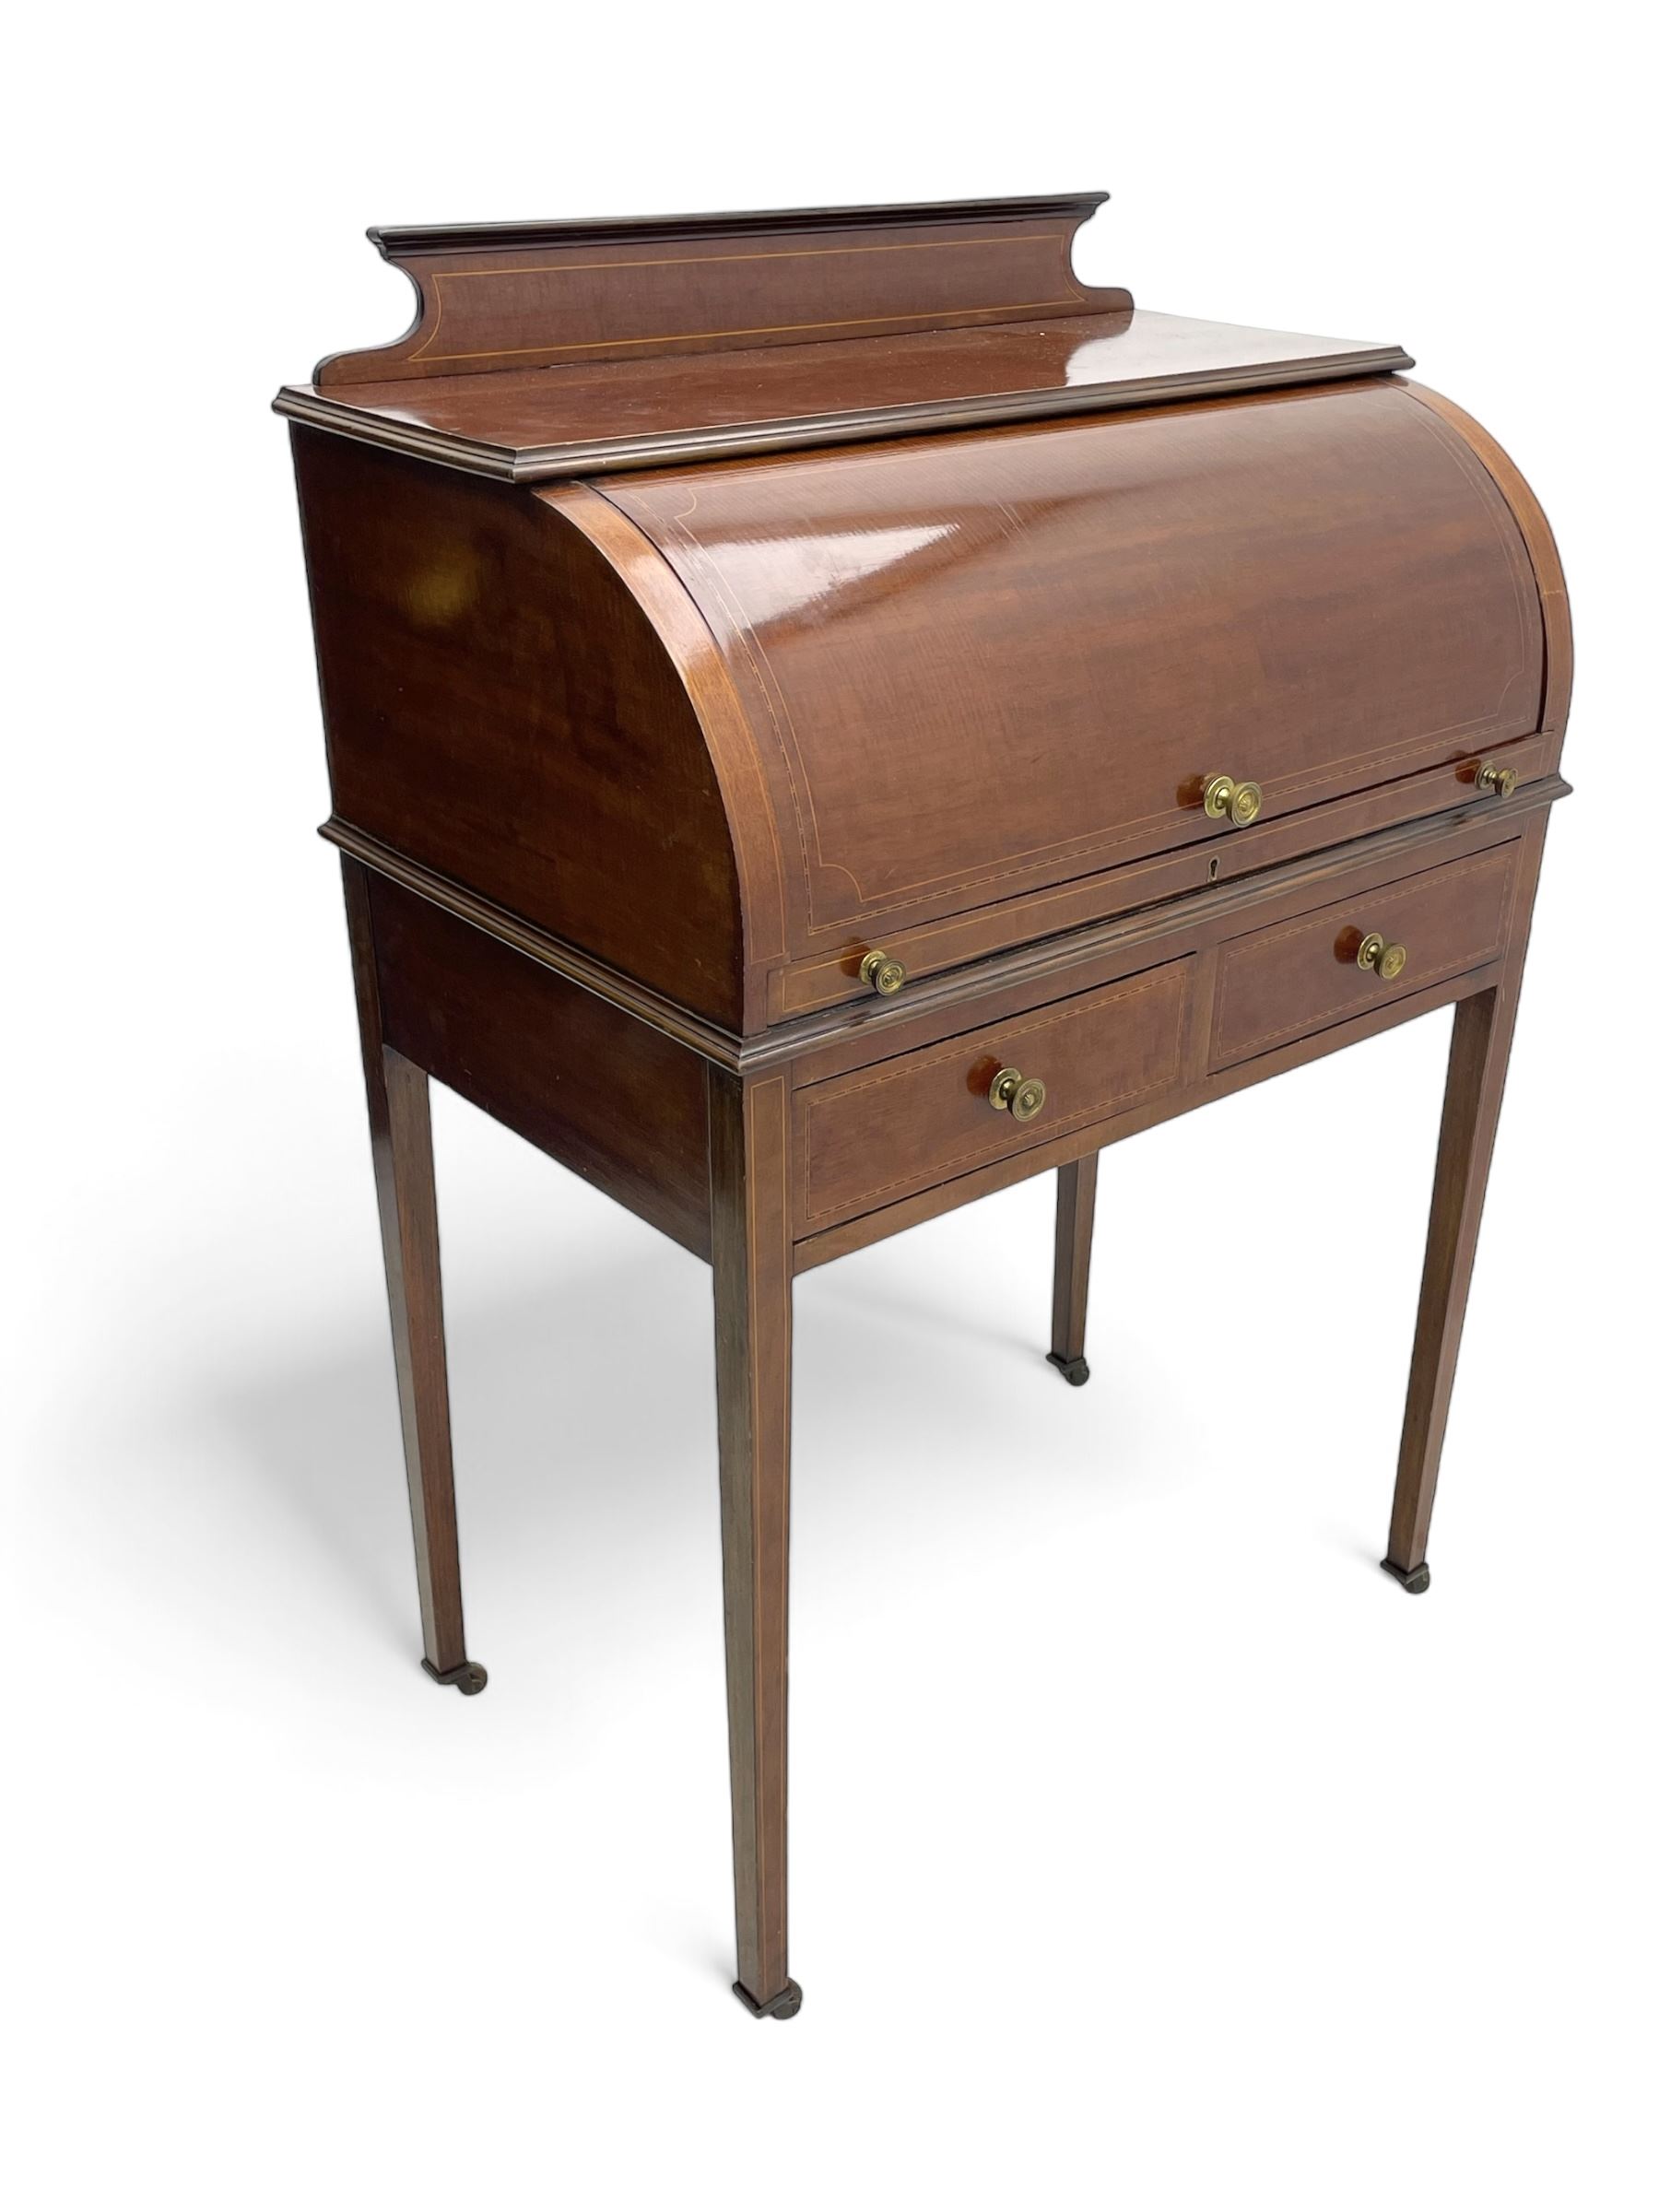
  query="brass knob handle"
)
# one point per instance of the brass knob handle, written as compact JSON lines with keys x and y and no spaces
{"x":1022,"y":1096}
{"x":1494,"y":777}
{"x":1381,"y":957}
{"x":1225,"y":801}
{"x":882,"y":974}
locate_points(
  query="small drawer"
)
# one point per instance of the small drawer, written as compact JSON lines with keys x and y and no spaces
{"x":1362,"y":951}
{"x":882,"y":1134}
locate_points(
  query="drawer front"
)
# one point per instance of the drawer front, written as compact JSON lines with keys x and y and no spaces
{"x":1302,"y":976}
{"x":880,"y":1135}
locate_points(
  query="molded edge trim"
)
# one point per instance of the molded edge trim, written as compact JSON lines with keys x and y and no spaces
{"x":578,"y":967}
{"x":537,"y":464}
{"x":401,"y":242}
{"x":966,"y":986}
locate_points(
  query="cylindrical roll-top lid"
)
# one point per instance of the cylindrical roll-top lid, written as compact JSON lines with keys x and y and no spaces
{"x":976,"y":667}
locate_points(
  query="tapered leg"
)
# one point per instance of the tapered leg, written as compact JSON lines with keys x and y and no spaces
{"x":748,"y":1166}
{"x":1074,"y":1237}
{"x":400,"y":1129}
{"x":1480,"y":1047}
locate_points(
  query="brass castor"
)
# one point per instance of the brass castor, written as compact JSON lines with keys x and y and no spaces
{"x":468,"y":1677}
{"x":1415,"y":1579}
{"x":783,"y":2007}
{"x":1075,"y":1370}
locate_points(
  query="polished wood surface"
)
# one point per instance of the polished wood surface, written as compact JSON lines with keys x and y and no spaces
{"x":532,"y":425}
{"x":517,"y":296}
{"x":664,"y":675}
{"x":935,"y":947}
{"x":865,"y":1229}
{"x":923,"y":1117}
{"x":1307,"y":956}
{"x":748,"y":1182}
{"x":1074,"y":1246}
{"x":608,"y":1097}
{"x":630,"y":770}
{"x":1546,"y":560}
{"x":501,"y":708}
{"x":400,"y":1129}
{"x":859,"y":1033}
{"x":553,"y":349}
{"x":1475,"y":1078}
{"x":1320,"y":592}
{"x":1282,"y":983}
{"x":708,"y":685}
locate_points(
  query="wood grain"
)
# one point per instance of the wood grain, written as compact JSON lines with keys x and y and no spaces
{"x":602,"y":1094}
{"x":499,"y":709}
{"x":916,"y":593}
{"x":863,"y":1229}
{"x":660,"y":726}
{"x":748,"y":1141}
{"x":518,"y":296}
{"x":400,"y":1130}
{"x":931,"y":948}
{"x":679,"y":623}
{"x":1037,"y":975}
{"x":1476,"y":1069}
{"x":870,"y":1138}
{"x":977,"y":667}
{"x":1301,"y":976}
{"x":538,"y":426}
{"x":1074,"y":1246}
{"x":1030,"y":974}
{"x":1545,"y":559}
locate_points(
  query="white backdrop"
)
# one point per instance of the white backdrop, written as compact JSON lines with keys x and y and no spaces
{"x":1150,"y":1846}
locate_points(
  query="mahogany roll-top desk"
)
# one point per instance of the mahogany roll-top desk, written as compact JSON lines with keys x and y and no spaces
{"x":828,"y":715}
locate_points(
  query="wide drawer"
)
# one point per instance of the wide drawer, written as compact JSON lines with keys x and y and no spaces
{"x":1322,"y":968}
{"x":879,"y":1135}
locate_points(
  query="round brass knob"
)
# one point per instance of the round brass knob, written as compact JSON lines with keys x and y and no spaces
{"x":882,"y":974}
{"x":1225,"y":801}
{"x":1381,"y":957}
{"x":1022,"y":1096}
{"x":1497,"y":778}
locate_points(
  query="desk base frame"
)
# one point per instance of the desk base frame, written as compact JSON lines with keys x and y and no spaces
{"x":746,"y":1233}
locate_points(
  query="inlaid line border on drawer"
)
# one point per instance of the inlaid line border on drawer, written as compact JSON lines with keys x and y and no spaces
{"x":931,"y":948}
{"x":977,"y":1045}
{"x":1504,"y":856}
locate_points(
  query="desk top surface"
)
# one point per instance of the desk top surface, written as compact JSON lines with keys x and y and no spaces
{"x":542,"y":350}
{"x":532,"y":424}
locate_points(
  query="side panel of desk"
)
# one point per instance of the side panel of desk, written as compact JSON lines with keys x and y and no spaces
{"x":502,"y":710}
{"x":608,"y":1097}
